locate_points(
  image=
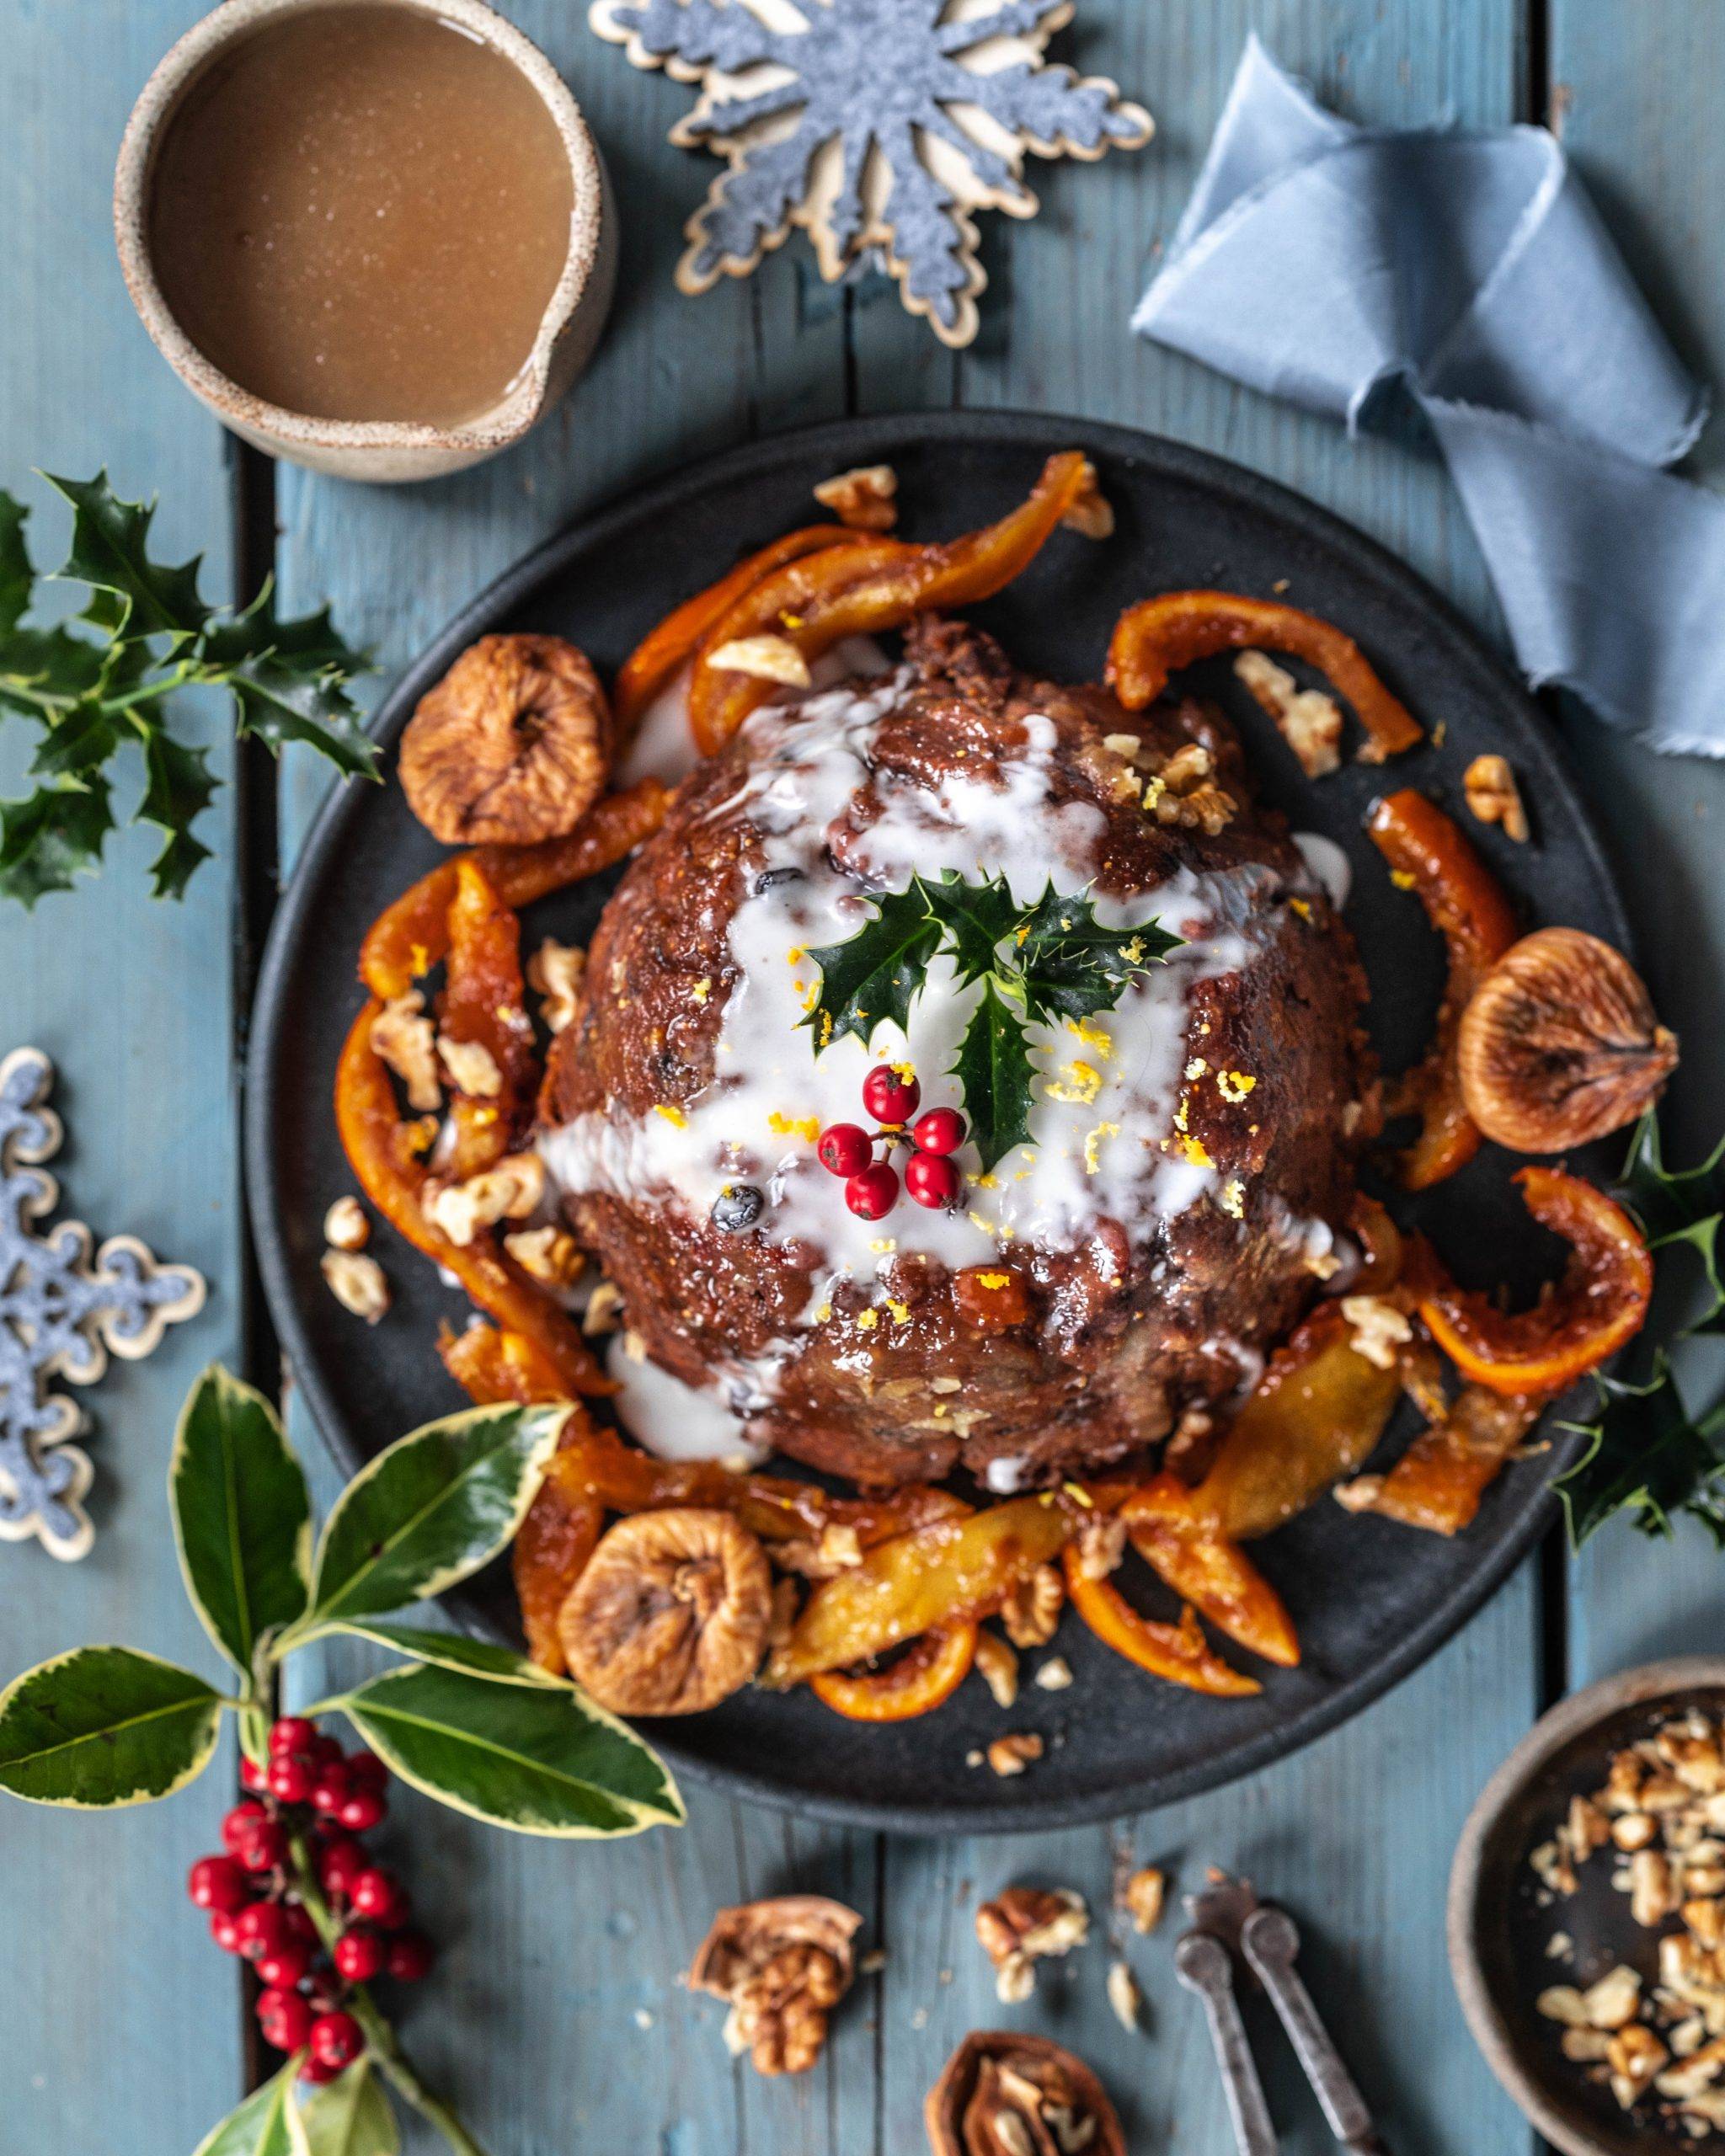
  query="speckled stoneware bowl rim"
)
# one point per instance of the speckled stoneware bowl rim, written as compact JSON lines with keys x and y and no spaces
{"x":515,"y":412}
{"x":1570,"y":1719}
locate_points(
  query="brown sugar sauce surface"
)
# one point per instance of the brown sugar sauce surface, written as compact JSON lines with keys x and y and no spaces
{"x":360,"y":213}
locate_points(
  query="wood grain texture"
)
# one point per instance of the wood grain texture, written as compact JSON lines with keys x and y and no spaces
{"x":122,"y":2024}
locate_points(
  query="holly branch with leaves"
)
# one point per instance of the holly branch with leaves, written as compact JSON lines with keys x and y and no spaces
{"x":103,"y":681}
{"x":467,"y":1723}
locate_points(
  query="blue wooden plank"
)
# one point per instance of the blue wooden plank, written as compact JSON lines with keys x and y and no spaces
{"x":122,"y":2023}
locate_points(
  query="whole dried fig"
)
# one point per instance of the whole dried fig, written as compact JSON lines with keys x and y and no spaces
{"x":1559,"y":1043}
{"x":1003,"y":2094}
{"x":670,"y":1615}
{"x":513,"y":745}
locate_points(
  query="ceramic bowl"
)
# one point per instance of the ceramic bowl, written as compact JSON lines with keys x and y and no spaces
{"x":386,"y":450}
{"x":1499,"y":1926}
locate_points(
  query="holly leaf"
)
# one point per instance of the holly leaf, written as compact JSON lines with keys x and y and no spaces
{"x":18,"y":578}
{"x":79,"y":743}
{"x":1647,"y":1460}
{"x":110,"y":552}
{"x":455,"y":1651}
{"x":994,"y":1074}
{"x":977,"y":918}
{"x":348,"y":2116}
{"x":44,"y":672}
{"x":1679,"y":1208}
{"x":49,"y":837}
{"x":266,"y":2125}
{"x":289,"y":681}
{"x":103,"y":1726}
{"x":874,"y":975}
{"x":179,"y":788}
{"x":1071,"y":966}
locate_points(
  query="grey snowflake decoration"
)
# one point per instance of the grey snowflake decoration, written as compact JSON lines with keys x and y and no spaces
{"x":872,"y":123}
{"x":62,"y":1311}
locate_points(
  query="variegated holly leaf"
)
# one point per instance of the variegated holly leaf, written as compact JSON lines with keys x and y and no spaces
{"x":103,"y":1726}
{"x":266,"y":2125}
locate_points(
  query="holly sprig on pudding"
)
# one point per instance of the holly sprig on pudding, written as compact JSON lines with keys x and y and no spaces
{"x":1042,"y":963}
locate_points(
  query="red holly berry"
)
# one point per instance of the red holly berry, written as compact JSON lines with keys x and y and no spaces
{"x":411,"y":1955}
{"x":253,"y":1775}
{"x":331,"y":1788}
{"x":314,"y":2073}
{"x":374,"y":1892}
{"x":941,"y":1130}
{"x":365,"y":1809}
{"x":889,"y":1095}
{"x":324,"y":1752}
{"x":336,"y":2039}
{"x":359,"y":1955}
{"x":845,"y":1149}
{"x":259,"y":1929}
{"x":224,"y":1931}
{"x":873,"y":1194}
{"x":932,"y":1180}
{"x":292,"y":1736}
{"x":238,"y":1823}
{"x":284,"y":1967}
{"x":341,"y":1863}
{"x":217,"y":1882}
{"x":291,"y":1779}
{"x":365,"y":1770}
{"x":284,"y":2017}
{"x":263,"y":1846}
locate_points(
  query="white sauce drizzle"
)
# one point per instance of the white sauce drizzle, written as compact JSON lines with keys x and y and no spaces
{"x":674,"y":1420}
{"x":1327,"y":863}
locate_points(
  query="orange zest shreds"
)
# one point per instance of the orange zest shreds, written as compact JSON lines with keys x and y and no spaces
{"x":411,"y":936}
{"x":379,"y":1151}
{"x":1467,"y":906}
{"x":1180,"y":1653}
{"x":1439,"y":1481}
{"x":1204,"y":1568}
{"x":874,"y":585}
{"x":941,"y":1575}
{"x":1159,"y":636}
{"x":924,"y":1677}
{"x":663,"y":652}
{"x":483,"y":989}
{"x":1599,"y":1307}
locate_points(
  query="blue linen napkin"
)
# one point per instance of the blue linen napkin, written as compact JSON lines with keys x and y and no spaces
{"x":1321,"y":261}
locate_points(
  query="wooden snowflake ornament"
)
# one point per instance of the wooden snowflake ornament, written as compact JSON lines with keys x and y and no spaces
{"x":872,"y":123}
{"x":64,"y":1308}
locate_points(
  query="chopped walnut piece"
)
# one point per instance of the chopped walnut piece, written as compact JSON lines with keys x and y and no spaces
{"x":765,"y":657}
{"x":345,"y":1226}
{"x":863,"y":498}
{"x":1092,"y":514}
{"x":357,"y":1283}
{"x":1123,"y":1994}
{"x":1183,"y":791}
{"x":1145,"y":1894}
{"x":1634,"y":1830}
{"x":1489,"y":787}
{"x":782,"y":1965}
{"x":1100,"y":1545}
{"x":1026,"y":1925}
{"x":1634,"y":2057}
{"x":836,"y":1549}
{"x":1613,"y":2001}
{"x":605,"y":1309}
{"x":549,"y":1254}
{"x":1652,"y":1898}
{"x":998,"y":1666}
{"x":554,"y":974}
{"x":403,"y":1038}
{"x":1308,"y":721}
{"x":1055,"y":1674}
{"x":1011,"y":1755}
{"x":472,"y":1067}
{"x":1563,"y":2003}
{"x":511,"y":1191}
{"x":1376,"y":1329}
{"x":1032,"y":1610}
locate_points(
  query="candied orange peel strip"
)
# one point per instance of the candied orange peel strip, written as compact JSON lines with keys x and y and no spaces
{"x":1157,"y":637}
{"x":1440,"y":1481}
{"x":925,"y":1677}
{"x":1180,"y":1653}
{"x":1184,"y":1548}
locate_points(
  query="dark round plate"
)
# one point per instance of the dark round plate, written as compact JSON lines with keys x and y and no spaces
{"x":1371,"y":1599}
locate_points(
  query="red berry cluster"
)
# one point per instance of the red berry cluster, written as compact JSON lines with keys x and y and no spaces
{"x":871,"y":1185}
{"x":309,"y":1785}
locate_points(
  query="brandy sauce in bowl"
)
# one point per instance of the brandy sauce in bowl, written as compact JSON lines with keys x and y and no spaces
{"x":374,"y":236}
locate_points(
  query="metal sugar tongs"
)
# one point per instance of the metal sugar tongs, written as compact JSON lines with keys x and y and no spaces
{"x":1229,"y":1920}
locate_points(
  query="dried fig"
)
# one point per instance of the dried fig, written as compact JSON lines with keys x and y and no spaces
{"x":1559,"y":1043}
{"x":670,"y":1615}
{"x":512,"y":746}
{"x":782,"y":1965}
{"x":1003,"y":2094}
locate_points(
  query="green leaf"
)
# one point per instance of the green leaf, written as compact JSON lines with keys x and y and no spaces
{"x":522,"y":1756}
{"x":1071,"y":966}
{"x":18,"y":579}
{"x":1646,"y":1459}
{"x":103,"y":1726}
{"x":47,"y":838}
{"x":47,"y":671}
{"x":873,"y":976}
{"x":242,"y":1515}
{"x":78,"y":743}
{"x":431,"y":1509}
{"x":265,"y":2124}
{"x":455,"y":1650}
{"x":976,"y":917}
{"x":110,"y":552}
{"x":1667,"y":1204}
{"x":993,"y":1070}
{"x":348,"y":2116}
{"x":179,"y":788}
{"x":289,"y":681}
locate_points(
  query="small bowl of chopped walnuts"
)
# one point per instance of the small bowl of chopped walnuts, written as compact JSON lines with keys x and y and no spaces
{"x":1587,"y":1914}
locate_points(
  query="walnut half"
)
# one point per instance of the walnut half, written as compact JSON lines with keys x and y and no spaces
{"x":781,"y":1965}
{"x":1023,"y":1925}
{"x":1002,"y":2094}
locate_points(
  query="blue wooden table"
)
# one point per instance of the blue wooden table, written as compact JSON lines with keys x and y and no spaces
{"x":557,"y":2012}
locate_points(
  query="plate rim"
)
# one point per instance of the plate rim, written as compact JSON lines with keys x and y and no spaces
{"x":863,"y":439}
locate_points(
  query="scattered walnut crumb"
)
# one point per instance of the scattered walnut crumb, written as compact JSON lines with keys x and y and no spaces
{"x":549,"y":1254}
{"x":1026,"y":1925}
{"x":1011,"y":1755}
{"x":1031,"y":1610}
{"x":1308,"y":721}
{"x":1101,"y":1544}
{"x":767,"y":659}
{"x":1493,"y":797}
{"x":605,"y":1309}
{"x":1055,"y":1674}
{"x":345,"y":1226}
{"x":1144,"y":1896}
{"x":862,"y":498}
{"x":998,"y":1664}
{"x":403,"y":1038}
{"x":472,"y":1067}
{"x":554,"y":974}
{"x":1376,"y":1329}
{"x":1092,"y":514}
{"x":511,"y":1191}
{"x":357,"y":1283}
{"x":835,"y":1550}
{"x":1184,"y":792}
{"x":1123,"y":1994}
